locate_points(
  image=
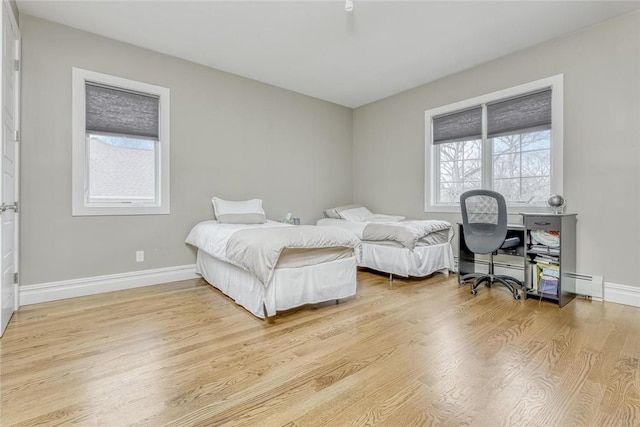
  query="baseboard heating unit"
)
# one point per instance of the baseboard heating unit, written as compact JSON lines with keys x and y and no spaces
{"x":589,"y":285}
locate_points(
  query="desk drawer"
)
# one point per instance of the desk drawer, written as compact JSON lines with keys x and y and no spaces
{"x":543,"y":223}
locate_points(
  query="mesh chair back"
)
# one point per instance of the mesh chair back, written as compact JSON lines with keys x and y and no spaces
{"x":484,"y":220}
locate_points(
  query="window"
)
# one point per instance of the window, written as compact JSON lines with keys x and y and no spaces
{"x":120,"y":146}
{"x":508,"y":141}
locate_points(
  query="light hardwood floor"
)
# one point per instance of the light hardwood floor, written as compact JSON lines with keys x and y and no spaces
{"x":423,"y":353}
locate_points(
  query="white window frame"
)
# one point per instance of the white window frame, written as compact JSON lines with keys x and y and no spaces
{"x":557,"y":133}
{"x":80,"y":204}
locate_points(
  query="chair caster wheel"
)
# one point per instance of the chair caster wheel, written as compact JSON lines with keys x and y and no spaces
{"x":473,"y":292}
{"x":516,"y":296}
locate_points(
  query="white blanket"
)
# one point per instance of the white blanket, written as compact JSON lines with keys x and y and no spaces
{"x":212,"y":237}
{"x":257,"y":247}
{"x":405,"y":232}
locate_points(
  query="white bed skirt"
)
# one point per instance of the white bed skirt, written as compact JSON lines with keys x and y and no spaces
{"x":288,"y":287}
{"x":422,"y":261}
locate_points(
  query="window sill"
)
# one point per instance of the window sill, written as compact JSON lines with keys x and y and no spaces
{"x":120,"y":211}
{"x":511,"y":209}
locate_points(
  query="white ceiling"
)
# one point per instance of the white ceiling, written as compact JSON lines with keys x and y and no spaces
{"x":318,"y":49}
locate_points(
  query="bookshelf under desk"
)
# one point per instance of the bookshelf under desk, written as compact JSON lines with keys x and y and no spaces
{"x":553,"y":261}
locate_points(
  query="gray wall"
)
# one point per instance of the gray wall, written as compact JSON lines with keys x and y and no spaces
{"x":14,"y":9}
{"x":237,"y":138}
{"x":230,"y":137}
{"x":601,"y":66}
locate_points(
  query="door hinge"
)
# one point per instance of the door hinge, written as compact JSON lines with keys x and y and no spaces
{"x":16,"y":135}
{"x":4,"y":207}
{"x":16,"y":64}
{"x":15,"y":277}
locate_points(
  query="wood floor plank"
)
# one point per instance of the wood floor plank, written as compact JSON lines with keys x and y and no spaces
{"x":423,"y":353}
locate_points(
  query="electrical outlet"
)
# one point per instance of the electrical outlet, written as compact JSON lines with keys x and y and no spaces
{"x":139,"y":256}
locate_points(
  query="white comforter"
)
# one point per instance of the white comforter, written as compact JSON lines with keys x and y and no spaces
{"x":257,"y":247}
{"x":212,"y":237}
{"x":388,"y":228}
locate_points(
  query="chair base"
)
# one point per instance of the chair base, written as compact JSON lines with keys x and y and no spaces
{"x":508,"y":281}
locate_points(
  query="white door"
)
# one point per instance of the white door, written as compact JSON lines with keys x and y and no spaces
{"x":9,"y":166}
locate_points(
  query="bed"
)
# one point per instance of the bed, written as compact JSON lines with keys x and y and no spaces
{"x":395,"y":245}
{"x":269,"y":266}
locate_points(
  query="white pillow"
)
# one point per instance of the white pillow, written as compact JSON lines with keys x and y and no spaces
{"x":335,"y":212}
{"x":357,"y":214}
{"x":241,"y":212}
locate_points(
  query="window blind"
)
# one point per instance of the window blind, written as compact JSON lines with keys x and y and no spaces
{"x":462,"y":125}
{"x":519,"y":114}
{"x":122,"y":112}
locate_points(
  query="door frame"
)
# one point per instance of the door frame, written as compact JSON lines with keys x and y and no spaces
{"x":18,"y":128}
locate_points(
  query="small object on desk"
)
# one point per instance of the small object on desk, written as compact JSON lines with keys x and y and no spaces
{"x":289,"y":219}
{"x":556,"y":202}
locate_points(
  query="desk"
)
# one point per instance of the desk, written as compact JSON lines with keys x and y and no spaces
{"x":510,"y":262}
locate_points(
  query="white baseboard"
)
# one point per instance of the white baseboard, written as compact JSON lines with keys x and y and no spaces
{"x":43,"y":292}
{"x":622,"y":294}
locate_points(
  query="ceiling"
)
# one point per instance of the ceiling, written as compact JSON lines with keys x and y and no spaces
{"x":318,"y":49}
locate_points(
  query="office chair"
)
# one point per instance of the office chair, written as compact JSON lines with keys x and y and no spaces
{"x":484,"y":223}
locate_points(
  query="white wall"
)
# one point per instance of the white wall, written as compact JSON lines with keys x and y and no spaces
{"x":14,"y":9}
{"x":601,"y":67}
{"x":230,"y":136}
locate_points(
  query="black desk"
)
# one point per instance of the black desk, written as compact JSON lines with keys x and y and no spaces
{"x":510,"y":262}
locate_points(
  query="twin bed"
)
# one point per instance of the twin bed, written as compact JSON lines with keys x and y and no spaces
{"x":395,"y":245}
{"x":267,"y":266}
